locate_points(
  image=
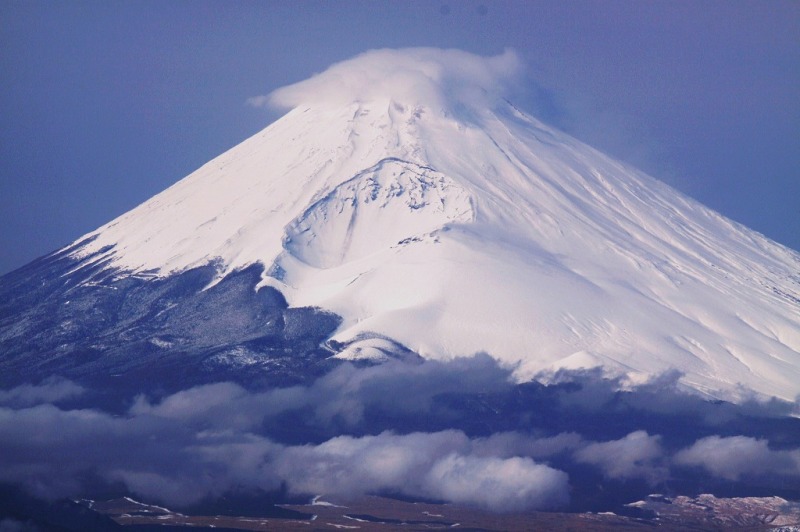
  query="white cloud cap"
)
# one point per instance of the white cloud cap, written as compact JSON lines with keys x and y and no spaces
{"x":429,"y":77}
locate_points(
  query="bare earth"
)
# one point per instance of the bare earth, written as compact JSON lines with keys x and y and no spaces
{"x":704,"y":512}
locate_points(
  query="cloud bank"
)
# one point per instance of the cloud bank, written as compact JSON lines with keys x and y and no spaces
{"x":457,"y":431}
{"x":413,"y":76}
{"x":51,"y":451}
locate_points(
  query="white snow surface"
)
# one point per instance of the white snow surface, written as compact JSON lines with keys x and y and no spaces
{"x":463,"y":228}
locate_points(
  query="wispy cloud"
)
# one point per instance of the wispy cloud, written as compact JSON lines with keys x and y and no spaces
{"x":52,"y":390}
{"x":410,"y":76}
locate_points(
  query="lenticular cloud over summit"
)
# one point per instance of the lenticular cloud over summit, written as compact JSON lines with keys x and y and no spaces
{"x":430,"y":76}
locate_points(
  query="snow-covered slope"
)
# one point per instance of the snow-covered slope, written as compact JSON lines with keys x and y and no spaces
{"x":451,"y":222}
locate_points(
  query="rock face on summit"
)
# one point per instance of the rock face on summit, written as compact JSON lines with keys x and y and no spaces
{"x":390,"y":204}
{"x":421,"y":207}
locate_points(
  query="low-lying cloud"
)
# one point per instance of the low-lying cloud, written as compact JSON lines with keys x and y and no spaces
{"x":52,"y":390}
{"x":344,"y":400}
{"x":456,"y":431}
{"x":509,"y":484}
{"x":637,"y":455}
{"x":437,"y":465}
{"x":737,"y":456}
{"x":48,"y":451}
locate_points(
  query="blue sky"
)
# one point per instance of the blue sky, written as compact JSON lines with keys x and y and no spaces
{"x":106,"y":103}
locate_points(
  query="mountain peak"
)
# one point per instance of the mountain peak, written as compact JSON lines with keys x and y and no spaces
{"x":402,"y":194}
{"x":417,"y":77}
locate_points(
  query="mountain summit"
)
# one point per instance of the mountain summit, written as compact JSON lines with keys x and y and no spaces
{"x":403,"y":193}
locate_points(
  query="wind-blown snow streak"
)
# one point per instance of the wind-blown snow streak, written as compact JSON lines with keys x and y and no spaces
{"x":405,"y":194}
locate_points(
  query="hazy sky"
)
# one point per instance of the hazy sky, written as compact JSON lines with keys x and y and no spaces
{"x":106,"y":103}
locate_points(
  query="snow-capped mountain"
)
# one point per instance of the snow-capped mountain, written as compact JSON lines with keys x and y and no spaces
{"x":427,"y":211}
